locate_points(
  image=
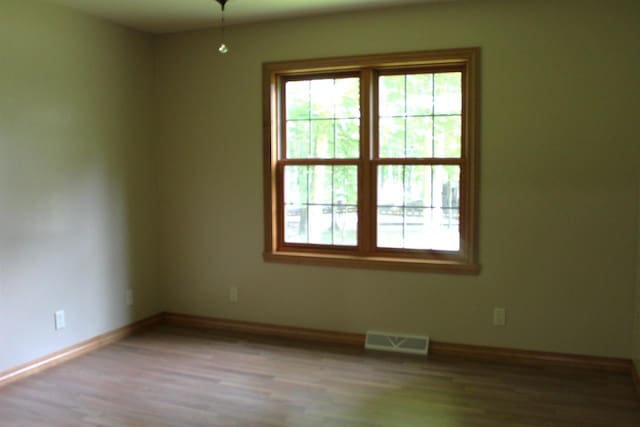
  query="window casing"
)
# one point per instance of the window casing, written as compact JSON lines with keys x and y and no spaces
{"x":372,"y":161}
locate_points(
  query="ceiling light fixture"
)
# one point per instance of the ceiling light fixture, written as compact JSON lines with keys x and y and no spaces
{"x":223,"y":47}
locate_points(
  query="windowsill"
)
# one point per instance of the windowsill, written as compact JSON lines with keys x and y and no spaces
{"x":379,"y":263}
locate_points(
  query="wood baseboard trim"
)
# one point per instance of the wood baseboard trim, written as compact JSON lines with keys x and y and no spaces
{"x":636,"y":377}
{"x":66,"y":354}
{"x":343,"y":339}
{"x":437,"y":349}
{"x":528,"y":357}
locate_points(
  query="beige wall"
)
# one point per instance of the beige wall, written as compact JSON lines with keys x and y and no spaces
{"x":75,"y":178}
{"x":636,"y":330}
{"x":558,"y":196}
{"x":79,"y":204}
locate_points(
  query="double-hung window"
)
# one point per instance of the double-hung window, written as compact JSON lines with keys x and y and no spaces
{"x":372,"y":161}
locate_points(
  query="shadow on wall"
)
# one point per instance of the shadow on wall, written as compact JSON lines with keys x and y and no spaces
{"x":69,"y":241}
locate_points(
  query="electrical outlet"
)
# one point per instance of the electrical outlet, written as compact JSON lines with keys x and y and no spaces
{"x":129,"y":297}
{"x":60,"y":322}
{"x":233,"y":294}
{"x":499,"y":316}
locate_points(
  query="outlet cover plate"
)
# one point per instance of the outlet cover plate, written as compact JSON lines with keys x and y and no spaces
{"x":60,"y":322}
{"x":499,"y":316}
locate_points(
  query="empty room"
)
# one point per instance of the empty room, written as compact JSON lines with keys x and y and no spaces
{"x":319,"y":213}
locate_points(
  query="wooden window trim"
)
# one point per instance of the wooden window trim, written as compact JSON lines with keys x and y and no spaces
{"x":367,"y":68}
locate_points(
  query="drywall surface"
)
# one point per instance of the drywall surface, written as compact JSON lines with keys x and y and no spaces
{"x":75,"y":178}
{"x":636,"y":329}
{"x":558,"y":215}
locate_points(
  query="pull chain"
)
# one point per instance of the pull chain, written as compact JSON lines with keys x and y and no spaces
{"x":223,"y":47}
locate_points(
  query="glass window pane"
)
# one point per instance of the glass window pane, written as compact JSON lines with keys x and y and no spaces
{"x":295,"y":185}
{"x":418,"y":207}
{"x":321,"y":204}
{"x":417,"y":186}
{"x":419,"y":94}
{"x":448,"y":136}
{"x":319,"y":113}
{"x":297,"y":139}
{"x":347,"y":98}
{"x":322,"y":99}
{"x":320,"y":184}
{"x":446,"y":182}
{"x":322,"y":133}
{"x":419,"y":136}
{"x":345,"y":185}
{"x":295,"y":223}
{"x":448,"y":93}
{"x":425,"y":121}
{"x":345,"y":225}
{"x":297,"y":94}
{"x":390,"y":227}
{"x":390,"y":179}
{"x":392,"y":137}
{"x":431,"y":229}
{"x":392,"y":96}
{"x":347,"y":145}
{"x":320,"y":224}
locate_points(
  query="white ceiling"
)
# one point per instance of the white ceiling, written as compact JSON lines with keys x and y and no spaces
{"x":167,"y":16}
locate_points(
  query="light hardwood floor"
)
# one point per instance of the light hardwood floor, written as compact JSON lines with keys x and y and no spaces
{"x":171,"y":376}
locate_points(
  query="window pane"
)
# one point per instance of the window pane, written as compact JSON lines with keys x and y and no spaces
{"x":392,"y":137}
{"x":296,"y":185}
{"x":322,"y":132}
{"x":345,"y":201}
{"x":345,"y":185}
{"x":323,"y":118}
{"x":345,"y":225}
{"x":418,"y":207}
{"x":297,"y":94}
{"x":392,"y":96}
{"x":298,"y":139}
{"x":322,"y":99}
{"x":419,"y":137}
{"x":320,"y":184}
{"x":448,"y":136}
{"x":446,"y":181}
{"x":417,"y":185}
{"x":419,"y":94}
{"x":426,"y":121}
{"x":390,"y":226}
{"x":347,"y":98}
{"x":431,"y":229}
{"x":320,"y":218}
{"x":448,"y":93}
{"x":295,"y":223}
{"x":347,"y":143}
{"x":321,"y":204}
{"x":390,"y":179}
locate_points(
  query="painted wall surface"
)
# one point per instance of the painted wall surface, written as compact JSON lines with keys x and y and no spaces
{"x":636,"y":329}
{"x":75,"y":178}
{"x":558,"y":191}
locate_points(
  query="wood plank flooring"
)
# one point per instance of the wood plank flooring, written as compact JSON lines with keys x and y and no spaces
{"x":170,"y":376}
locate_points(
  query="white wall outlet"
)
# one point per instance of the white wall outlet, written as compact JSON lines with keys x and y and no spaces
{"x":129,"y":297}
{"x":60,"y":322}
{"x":233,"y":294}
{"x":499,"y":316}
